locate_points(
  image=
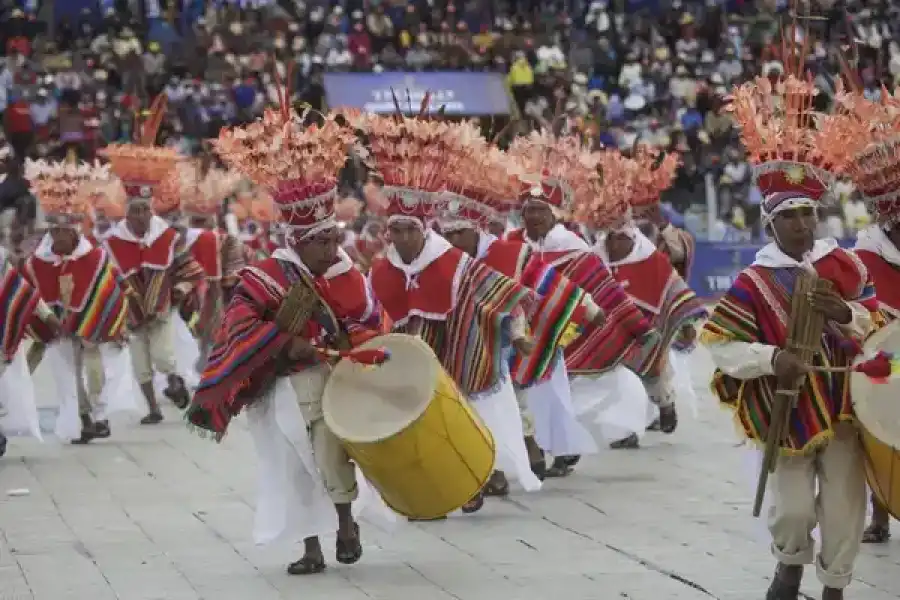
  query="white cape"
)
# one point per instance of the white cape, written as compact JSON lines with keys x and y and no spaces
{"x":292,"y":503}
{"x":556,"y":427}
{"x":617,"y":399}
{"x":499,"y":410}
{"x":120,"y":393}
{"x":18,"y":397}
{"x":187,"y":351}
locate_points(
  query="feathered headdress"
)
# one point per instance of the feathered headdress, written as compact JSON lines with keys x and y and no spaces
{"x":297,"y":164}
{"x":58,"y":185}
{"x":653,"y":174}
{"x":106,"y":199}
{"x":409,"y":156}
{"x":480,"y":184}
{"x":212,"y":190}
{"x":609,"y":207}
{"x":875,"y":144}
{"x":142,"y":166}
{"x":178,"y":189}
{"x":795,"y":151}
{"x":558,"y":171}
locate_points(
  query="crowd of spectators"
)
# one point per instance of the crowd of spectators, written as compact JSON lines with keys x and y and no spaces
{"x":654,"y":71}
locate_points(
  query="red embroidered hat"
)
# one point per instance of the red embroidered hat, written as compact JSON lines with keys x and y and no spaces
{"x":876,"y":174}
{"x":874,"y":132}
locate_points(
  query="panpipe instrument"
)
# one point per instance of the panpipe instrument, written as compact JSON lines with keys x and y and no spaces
{"x":300,"y":305}
{"x":804,"y":340}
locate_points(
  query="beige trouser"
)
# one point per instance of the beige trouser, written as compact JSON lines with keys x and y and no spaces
{"x":332,"y":459}
{"x":527,"y":417}
{"x":839,"y":509}
{"x":89,"y":376}
{"x":153,"y":345}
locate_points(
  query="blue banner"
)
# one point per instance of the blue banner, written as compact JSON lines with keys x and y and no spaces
{"x":461,"y":94}
{"x":717,"y":265}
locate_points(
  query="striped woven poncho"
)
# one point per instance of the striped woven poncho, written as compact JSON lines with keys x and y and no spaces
{"x":461,"y":307}
{"x":655,"y":286}
{"x":97,"y":310}
{"x":625,"y":338}
{"x":18,"y":300}
{"x":756,"y":310}
{"x":559,"y":305}
{"x":247,"y":353}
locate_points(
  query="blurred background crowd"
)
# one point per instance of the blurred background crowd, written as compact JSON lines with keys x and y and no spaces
{"x":75,"y":72}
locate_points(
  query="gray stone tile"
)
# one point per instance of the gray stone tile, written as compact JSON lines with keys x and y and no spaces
{"x":157,"y":513}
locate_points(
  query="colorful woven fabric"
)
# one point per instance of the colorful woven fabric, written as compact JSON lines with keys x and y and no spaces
{"x":101,"y":308}
{"x":886,"y":277}
{"x":18,"y":300}
{"x":755,"y":310}
{"x":469,"y":344}
{"x":666,"y":300}
{"x":226,"y":263}
{"x":556,"y":310}
{"x":151,"y":289}
{"x":247,"y":353}
{"x":601,"y":349}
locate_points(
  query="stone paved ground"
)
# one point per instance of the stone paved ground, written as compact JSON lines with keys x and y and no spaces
{"x":156,"y":513}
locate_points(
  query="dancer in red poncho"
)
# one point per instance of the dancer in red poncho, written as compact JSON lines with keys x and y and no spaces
{"x":159,"y":274}
{"x":273,"y":370}
{"x":819,"y":475}
{"x":562,"y":172}
{"x":467,"y":312}
{"x":631,"y":188}
{"x":84,"y":287}
{"x":875,"y":175}
{"x":220,"y":254}
{"x":479,"y":183}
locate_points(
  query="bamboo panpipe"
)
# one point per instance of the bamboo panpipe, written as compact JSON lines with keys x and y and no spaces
{"x":804,"y":341}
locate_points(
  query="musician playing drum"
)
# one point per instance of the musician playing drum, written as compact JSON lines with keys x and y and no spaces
{"x":746,"y":334}
{"x":308,"y":293}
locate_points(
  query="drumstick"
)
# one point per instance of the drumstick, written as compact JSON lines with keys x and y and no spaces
{"x":368,"y":357}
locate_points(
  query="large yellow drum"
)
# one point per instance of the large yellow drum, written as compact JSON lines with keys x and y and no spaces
{"x":877,"y":410}
{"x":409,"y":429}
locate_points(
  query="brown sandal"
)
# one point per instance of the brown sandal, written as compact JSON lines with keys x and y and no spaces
{"x":307,"y":565}
{"x":348,"y":550}
{"x":559,"y":468}
{"x":497,"y":485}
{"x":475,"y":504}
{"x":876,"y":533}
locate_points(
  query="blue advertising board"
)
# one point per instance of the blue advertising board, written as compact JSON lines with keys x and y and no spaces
{"x":461,"y":94}
{"x":717,"y":265}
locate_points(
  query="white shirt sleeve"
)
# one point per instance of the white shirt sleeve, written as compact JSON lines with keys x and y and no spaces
{"x":743,"y":360}
{"x":518,"y":328}
{"x":590,"y":307}
{"x":860,"y":324}
{"x":43,"y":311}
